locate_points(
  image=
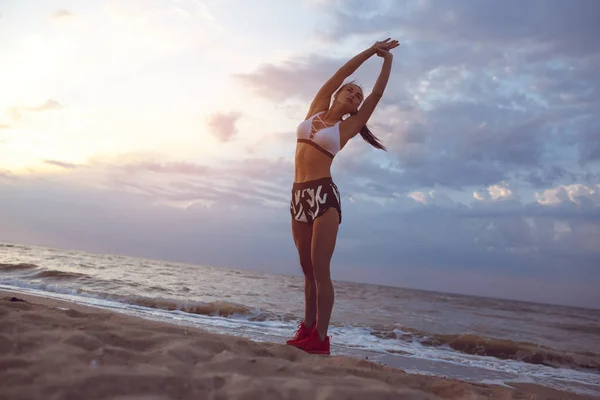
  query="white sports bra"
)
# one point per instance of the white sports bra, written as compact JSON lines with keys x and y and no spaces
{"x":326,"y":140}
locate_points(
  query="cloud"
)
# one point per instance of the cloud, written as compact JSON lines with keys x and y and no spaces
{"x":222,"y":125}
{"x":469,"y":106}
{"x":545,"y":176}
{"x":498,"y":192}
{"x":16,"y":112}
{"x":61,"y":164}
{"x":248,"y":182}
{"x":419,"y":197}
{"x":552,"y":26}
{"x":461,"y":144}
{"x":46,"y":106}
{"x":589,"y":145}
{"x":61,"y":13}
{"x":586,"y":196}
{"x":298,"y":78}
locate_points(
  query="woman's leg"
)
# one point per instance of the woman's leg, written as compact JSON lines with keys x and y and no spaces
{"x":324,"y":236}
{"x":302,"y":233}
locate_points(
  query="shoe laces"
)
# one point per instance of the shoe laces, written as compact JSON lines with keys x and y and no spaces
{"x":300,"y":326}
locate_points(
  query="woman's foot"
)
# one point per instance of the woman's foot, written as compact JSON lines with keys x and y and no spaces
{"x":302,"y":333}
{"x":313,"y":344}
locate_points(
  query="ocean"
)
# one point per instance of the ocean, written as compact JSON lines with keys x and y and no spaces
{"x":476,"y":339}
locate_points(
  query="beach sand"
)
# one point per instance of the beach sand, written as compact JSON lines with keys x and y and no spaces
{"x":52,"y":349}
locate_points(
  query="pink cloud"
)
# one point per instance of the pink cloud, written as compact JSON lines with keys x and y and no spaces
{"x":300,"y":78}
{"x":222,"y":125}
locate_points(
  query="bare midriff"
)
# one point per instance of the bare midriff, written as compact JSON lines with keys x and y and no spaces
{"x":310,"y":164}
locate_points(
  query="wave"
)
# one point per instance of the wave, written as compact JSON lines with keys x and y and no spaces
{"x":43,"y":273}
{"x":216,"y":308}
{"x":530,"y":353}
{"x":17,"y":267}
{"x":58,"y":275}
{"x":35,"y":277}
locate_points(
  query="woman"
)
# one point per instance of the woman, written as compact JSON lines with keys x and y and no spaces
{"x":315,"y":205}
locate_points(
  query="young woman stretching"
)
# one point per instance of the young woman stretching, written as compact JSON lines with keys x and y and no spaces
{"x":316,"y":205}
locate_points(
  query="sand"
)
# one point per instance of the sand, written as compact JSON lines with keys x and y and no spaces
{"x":51,"y":349}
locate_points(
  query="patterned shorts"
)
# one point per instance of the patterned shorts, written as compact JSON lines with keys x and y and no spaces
{"x":311,"y":199}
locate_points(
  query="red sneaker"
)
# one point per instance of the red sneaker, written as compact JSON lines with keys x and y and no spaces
{"x":303,"y":332}
{"x":313,"y":344}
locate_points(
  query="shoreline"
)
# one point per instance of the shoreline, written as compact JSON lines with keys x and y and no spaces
{"x":59,"y":348}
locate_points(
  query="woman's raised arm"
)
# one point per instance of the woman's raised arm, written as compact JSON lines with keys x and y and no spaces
{"x":356,"y":122}
{"x":323,"y":97}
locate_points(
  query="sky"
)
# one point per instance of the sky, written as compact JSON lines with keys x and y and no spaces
{"x":166,"y":129}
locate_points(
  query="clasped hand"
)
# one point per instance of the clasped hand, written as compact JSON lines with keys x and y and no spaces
{"x":382,"y":48}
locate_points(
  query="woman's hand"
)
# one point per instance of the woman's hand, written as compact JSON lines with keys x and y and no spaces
{"x":385,"y":54}
{"x":385,"y":45}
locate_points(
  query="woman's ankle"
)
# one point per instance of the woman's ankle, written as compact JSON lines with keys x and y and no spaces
{"x":309,"y":324}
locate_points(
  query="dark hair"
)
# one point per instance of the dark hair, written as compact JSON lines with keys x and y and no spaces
{"x":365,"y":132}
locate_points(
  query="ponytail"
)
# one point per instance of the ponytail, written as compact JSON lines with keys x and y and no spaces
{"x":368,"y":136}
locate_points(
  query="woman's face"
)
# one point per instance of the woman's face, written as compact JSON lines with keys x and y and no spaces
{"x":350,"y":96}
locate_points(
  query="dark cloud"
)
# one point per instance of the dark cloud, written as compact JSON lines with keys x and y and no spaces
{"x":546,"y":176}
{"x":553,"y":26}
{"x":589,"y":146}
{"x":462,"y":145}
{"x":61,"y":164}
{"x":533,"y":68}
{"x":222,"y":125}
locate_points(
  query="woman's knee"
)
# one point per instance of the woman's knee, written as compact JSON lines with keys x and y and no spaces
{"x":307,"y":269}
{"x":322,"y":273}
